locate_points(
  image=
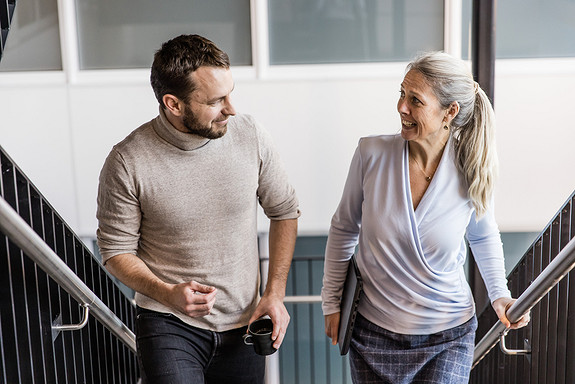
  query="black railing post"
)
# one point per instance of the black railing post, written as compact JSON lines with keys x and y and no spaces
{"x":483,"y":69}
{"x":6,"y":12}
{"x":483,"y":45}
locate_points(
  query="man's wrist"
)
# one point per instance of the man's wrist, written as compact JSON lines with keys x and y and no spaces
{"x":272,"y":293}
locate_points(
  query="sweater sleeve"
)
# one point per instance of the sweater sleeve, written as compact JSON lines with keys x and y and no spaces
{"x":275,"y":194}
{"x":343,"y":237}
{"x":485,"y":242}
{"x":118,"y":211}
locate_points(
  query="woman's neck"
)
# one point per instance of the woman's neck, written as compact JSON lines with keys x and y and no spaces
{"x":426,"y":153}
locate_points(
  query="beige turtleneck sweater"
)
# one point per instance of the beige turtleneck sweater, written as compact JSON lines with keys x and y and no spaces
{"x":187,"y":206}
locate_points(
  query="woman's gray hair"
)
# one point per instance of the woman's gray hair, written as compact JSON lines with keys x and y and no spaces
{"x":473,"y":129}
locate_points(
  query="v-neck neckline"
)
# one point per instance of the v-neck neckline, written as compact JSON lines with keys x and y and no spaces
{"x":423,"y":205}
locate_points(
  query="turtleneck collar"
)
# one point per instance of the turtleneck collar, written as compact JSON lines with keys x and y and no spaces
{"x":181,"y":140}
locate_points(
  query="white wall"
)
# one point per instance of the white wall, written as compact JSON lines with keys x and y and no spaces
{"x":536,"y":136}
{"x":59,"y":134}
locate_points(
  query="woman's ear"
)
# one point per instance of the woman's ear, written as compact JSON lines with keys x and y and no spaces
{"x":452,"y":111}
{"x":173,"y":104}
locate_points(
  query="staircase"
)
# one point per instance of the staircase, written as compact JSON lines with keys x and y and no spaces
{"x":551,"y":333}
{"x":32,"y":304}
{"x":6,"y":13}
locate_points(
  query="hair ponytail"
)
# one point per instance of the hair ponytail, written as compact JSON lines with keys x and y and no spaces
{"x":475,"y":150}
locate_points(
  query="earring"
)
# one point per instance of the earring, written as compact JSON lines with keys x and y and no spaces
{"x":446,"y":127}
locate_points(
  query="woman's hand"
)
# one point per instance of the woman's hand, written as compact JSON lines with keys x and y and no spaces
{"x":501,"y":306}
{"x":332,"y":327}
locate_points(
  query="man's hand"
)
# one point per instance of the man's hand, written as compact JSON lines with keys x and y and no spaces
{"x":282,"y":242}
{"x":332,"y":327}
{"x":192,"y":299}
{"x":276,"y":310}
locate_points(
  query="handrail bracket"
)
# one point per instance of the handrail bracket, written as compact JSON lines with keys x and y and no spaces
{"x":57,"y":327}
{"x":513,"y":352}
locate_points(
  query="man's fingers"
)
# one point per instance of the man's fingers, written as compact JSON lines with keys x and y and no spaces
{"x":198,"y":310}
{"x":199,"y":299}
{"x":279,"y":339}
{"x":280,"y":330}
{"x":201,"y":288}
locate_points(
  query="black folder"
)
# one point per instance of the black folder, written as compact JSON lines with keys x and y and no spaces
{"x":349,"y":302}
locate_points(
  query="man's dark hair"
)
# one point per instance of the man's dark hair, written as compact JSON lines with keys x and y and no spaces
{"x":177,"y":59}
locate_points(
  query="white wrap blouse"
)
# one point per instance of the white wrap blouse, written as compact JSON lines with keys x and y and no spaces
{"x":412,"y":261}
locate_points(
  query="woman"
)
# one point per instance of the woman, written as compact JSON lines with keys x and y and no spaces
{"x":409,"y":203}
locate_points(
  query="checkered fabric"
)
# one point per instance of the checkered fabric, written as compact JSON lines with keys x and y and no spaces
{"x":380,"y":356}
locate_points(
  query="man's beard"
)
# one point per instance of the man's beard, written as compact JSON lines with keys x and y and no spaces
{"x":193,"y":126}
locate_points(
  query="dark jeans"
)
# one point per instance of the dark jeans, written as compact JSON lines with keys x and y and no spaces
{"x":171,"y":351}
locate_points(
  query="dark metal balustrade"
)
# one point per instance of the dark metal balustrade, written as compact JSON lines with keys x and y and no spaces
{"x":6,"y":12}
{"x":31,"y":303}
{"x":551,"y":333}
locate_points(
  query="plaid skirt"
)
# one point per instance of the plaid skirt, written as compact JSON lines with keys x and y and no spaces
{"x":380,"y":356}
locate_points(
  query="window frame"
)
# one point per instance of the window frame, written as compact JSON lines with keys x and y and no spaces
{"x":261,"y":69}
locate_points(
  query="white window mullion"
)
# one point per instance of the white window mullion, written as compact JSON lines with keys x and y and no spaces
{"x":260,"y":37}
{"x":69,"y":39}
{"x":452,"y":27}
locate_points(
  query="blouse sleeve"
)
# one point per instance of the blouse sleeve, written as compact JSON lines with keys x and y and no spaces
{"x":485,"y":242}
{"x":343,"y":237}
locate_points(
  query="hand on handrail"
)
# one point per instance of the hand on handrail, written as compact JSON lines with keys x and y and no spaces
{"x":501,"y":306}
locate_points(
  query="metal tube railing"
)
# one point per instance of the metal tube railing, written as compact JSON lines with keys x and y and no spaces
{"x":20,"y":233}
{"x":302,"y":299}
{"x":549,"y":277}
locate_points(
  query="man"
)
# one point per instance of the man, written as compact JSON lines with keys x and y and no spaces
{"x":177,"y":208}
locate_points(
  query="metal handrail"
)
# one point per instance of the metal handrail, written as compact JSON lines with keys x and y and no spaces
{"x":547,"y":279}
{"x":302,"y":299}
{"x":20,"y":233}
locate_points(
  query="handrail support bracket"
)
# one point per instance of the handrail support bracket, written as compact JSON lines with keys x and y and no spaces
{"x":513,"y":352}
{"x":57,"y":328}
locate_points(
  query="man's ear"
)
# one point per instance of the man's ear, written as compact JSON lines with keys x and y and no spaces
{"x":173,"y":104}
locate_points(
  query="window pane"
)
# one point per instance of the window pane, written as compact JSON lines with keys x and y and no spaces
{"x":126,"y":33}
{"x":466,"y":11}
{"x":528,"y":28}
{"x":535,"y":28}
{"x":33,"y":43}
{"x":343,"y":31}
